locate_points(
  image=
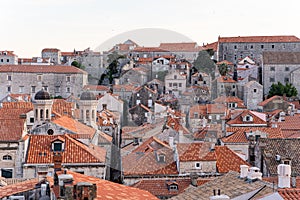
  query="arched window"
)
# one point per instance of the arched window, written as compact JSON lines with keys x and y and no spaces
{"x":41,"y":114}
{"x":7,"y":157}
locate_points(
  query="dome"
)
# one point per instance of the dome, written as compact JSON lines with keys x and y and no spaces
{"x":42,"y":95}
{"x":87,"y":96}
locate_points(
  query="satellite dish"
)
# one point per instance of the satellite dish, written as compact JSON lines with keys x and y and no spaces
{"x":50,"y":132}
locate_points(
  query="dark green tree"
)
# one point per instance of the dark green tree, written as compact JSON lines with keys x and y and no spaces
{"x":223,"y":69}
{"x":78,"y":65}
{"x":279,"y":89}
{"x":204,"y":63}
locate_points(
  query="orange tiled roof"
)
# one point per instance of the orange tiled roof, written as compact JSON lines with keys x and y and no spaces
{"x":107,"y":190}
{"x":96,"y":87}
{"x":225,"y":62}
{"x":8,"y":53}
{"x":259,"y":39}
{"x":216,"y":108}
{"x":39,"y":150}
{"x":58,"y":69}
{"x":225,"y":79}
{"x":159,"y":187}
{"x":18,"y":188}
{"x":195,"y":152}
{"x":289,"y":193}
{"x":74,"y":126}
{"x":50,"y":50}
{"x":258,"y":118}
{"x":290,"y":123}
{"x":213,"y":46}
{"x":239,"y":135}
{"x":181,"y":47}
{"x":200,"y":109}
{"x":227,"y":160}
{"x":265,"y":102}
{"x":126,"y":87}
{"x":230,"y":99}
{"x":149,"y":49}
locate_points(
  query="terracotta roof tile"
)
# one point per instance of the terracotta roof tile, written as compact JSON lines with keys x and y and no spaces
{"x":289,"y":193}
{"x":258,"y":118}
{"x":18,"y":188}
{"x":39,"y":150}
{"x":181,"y":47}
{"x":213,"y":46}
{"x":259,"y":39}
{"x":225,"y":79}
{"x":96,"y":87}
{"x":58,"y":69}
{"x":107,"y":190}
{"x":149,"y":49}
{"x":227,"y":160}
{"x":195,"y":152}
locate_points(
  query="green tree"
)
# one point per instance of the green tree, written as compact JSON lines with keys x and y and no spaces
{"x":204,"y":63}
{"x":279,"y":89}
{"x":78,"y":65}
{"x":223,"y":69}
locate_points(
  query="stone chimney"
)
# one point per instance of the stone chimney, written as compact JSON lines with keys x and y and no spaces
{"x":284,"y":176}
{"x":244,"y":171}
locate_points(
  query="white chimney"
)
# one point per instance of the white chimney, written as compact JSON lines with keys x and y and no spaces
{"x":219,"y":197}
{"x":171,"y":142}
{"x":284,"y":176}
{"x":254,"y":173}
{"x":244,"y":171}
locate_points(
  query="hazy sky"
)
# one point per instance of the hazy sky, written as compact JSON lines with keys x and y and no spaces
{"x":28,"y":26}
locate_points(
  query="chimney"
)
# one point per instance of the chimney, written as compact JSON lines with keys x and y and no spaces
{"x":284,"y":175}
{"x":254,"y":173}
{"x":294,"y":182}
{"x":57,"y":159}
{"x":219,"y":196}
{"x":194,"y":177}
{"x":244,"y":171}
{"x":85,"y":190}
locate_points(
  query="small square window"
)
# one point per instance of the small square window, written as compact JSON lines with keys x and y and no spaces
{"x":33,"y":89}
{"x":198,"y":165}
{"x":272,"y":68}
{"x":9,"y":77}
{"x":57,"y":146}
{"x":8,"y":88}
{"x":287,"y":69}
{"x":68,"y":90}
{"x":273,"y":46}
{"x":39,"y":77}
{"x":262,"y":46}
{"x":286,"y":79}
{"x":31,"y":120}
{"x":170,"y":84}
{"x":7,"y":60}
{"x":254,"y":90}
{"x":235,"y":47}
{"x":68,"y":78}
{"x":251,"y":47}
{"x":272,"y":79}
{"x":21,"y":89}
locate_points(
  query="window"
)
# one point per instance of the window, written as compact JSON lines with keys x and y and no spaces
{"x":196,"y":115}
{"x":57,"y":89}
{"x":286,"y":79}
{"x":234,"y":57}
{"x":46,"y":88}
{"x":272,"y":79}
{"x":235,"y":47}
{"x":272,"y":68}
{"x":233,"y":86}
{"x":175,"y":76}
{"x":8,"y":88}
{"x":9,"y":77}
{"x":180,"y":84}
{"x":21,"y":89}
{"x":31,"y":120}
{"x":218,"y":117}
{"x":273,"y":46}
{"x":7,"y":173}
{"x":161,"y":158}
{"x":7,"y":60}
{"x":245,"y":47}
{"x":225,"y":57}
{"x":68,"y":90}
{"x":57,"y":146}
{"x":173,"y":187}
{"x":39,"y":77}
{"x":33,"y":89}
{"x":287,"y":69}
{"x":283,"y":46}
{"x":262,"y":46}
{"x":170,"y":84}
{"x":251,"y":47}
{"x":198,"y":165}
{"x":174,"y":84}
{"x":254,"y":90}
{"x":68,"y":78}
{"x":7,"y":157}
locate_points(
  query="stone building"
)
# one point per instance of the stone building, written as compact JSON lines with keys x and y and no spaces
{"x":52,"y":53}
{"x":224,"y":86}
{"x":253,"y":95}
{"x":58,"y":80}
{"x":185,"y":50}
{"x":135,"y":76}
{"x":175,"y":83}
{"x":8,"y":58}
{"x":280,"y":67}
{"x":234,"y":48}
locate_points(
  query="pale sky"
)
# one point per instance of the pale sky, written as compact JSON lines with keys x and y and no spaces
{"x":28,"y":26}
